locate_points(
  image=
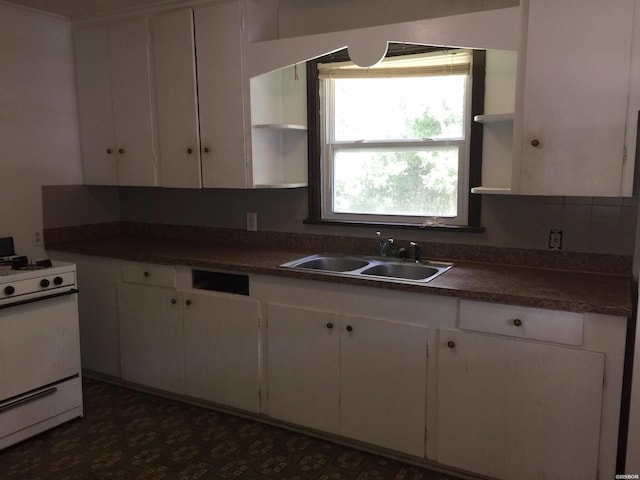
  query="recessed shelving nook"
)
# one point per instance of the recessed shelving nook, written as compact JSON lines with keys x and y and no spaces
{"x":279,"y":128}
{"x":497,"y":148}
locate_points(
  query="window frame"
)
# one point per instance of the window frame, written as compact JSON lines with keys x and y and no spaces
{"x":315,"y":140}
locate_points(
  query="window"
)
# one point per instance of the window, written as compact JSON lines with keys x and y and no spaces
{"x":393,"y":140}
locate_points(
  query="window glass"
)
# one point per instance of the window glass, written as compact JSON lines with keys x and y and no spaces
{"x":399,"y":108}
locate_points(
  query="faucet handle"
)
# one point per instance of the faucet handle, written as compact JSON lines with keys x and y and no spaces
{"x":379,"y":235}
{"x":417,"y":253}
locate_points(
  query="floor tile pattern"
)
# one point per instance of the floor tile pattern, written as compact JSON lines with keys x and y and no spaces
{"x":126,"y":434}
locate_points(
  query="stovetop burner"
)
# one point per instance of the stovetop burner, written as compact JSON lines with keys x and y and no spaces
{"x":22,"y":263}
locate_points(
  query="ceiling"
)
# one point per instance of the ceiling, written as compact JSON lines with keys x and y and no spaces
{"x":75,"y":9}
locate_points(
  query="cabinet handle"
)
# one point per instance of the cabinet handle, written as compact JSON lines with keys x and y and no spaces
{"x":189,"y":150}
{"x":188,"y":302}
{"x":146,"y":274}
{"x":121,"y":150}
{"x":173,"y":301}
{"x":535,"y":142}
{"x":349,"y":328}
{"x":517,"y":322}
{"x":109,"y":151}
{"x":329,"y":325}
{"x":206,"y":149}
{"x":451,"y":344}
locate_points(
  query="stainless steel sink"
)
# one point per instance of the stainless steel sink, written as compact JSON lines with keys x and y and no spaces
{"x":409,"y":271}
{"x":373,"y":268}
{"x":334,"y":264}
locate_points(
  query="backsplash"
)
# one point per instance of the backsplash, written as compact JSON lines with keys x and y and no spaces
{"x":589,"y":225}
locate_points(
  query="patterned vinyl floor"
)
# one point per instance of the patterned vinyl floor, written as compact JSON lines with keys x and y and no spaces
{"x":127,"y":434}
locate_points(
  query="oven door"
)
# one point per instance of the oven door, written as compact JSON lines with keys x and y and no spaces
{"x":39,"y":342}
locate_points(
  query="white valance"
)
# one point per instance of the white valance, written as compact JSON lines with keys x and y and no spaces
{"x":449,"y":62}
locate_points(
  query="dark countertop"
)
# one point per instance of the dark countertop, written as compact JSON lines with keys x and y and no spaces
{"x":535,"y":287}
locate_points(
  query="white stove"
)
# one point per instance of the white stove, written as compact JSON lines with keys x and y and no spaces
{"x":15,"y":284}
{"x":39,"y":349}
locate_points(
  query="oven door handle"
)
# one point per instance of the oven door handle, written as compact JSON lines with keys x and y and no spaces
{"x":30,"y":398}
{"x":71,"y":291}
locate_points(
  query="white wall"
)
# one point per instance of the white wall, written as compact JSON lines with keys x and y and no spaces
{"x":39,"y":139}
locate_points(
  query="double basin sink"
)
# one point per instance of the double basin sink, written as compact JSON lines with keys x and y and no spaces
{"x":374,"y":268}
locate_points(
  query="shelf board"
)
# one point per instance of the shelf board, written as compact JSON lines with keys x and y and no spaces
{"x":494,"y":118}
{"x":281,"y":185}
{"x":492,"y":190}
{"x":280,"y":126}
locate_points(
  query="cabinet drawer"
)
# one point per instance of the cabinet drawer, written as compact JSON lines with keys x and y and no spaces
{"x":522,"y":322}
{"x":149,"y":274}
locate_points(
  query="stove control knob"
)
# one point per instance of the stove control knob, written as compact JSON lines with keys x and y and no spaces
{"x":9,"y":290}
{"x":57,"y":281}
{"x":44,"y":283}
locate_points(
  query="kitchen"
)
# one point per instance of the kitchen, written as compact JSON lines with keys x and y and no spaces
{"x":40,"y":135}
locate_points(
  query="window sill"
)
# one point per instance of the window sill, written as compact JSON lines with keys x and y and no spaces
{"x":408,"y":226}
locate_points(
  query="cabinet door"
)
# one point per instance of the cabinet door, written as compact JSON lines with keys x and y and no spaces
{"x":97,"y":136}
{"x":515,"y":409}
{"x":221,"y":349}
{"x":176,"y":99}
{"x":575,"y":91}
{"x":303,"y":353}
{"x":114,"y":104}
{"x":151,"y":337}
{"x":221,"y":95}
{"x":98,"y":313}
{"x":383,"y":383}
{"x":131,"y":95}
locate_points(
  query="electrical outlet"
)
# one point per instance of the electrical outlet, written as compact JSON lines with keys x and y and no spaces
{"x":555,"y":239}
{"x":252,"y":222}
{"x":37,"y":239}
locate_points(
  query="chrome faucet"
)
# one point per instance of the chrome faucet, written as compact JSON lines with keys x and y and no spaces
{"x":388,"y":248}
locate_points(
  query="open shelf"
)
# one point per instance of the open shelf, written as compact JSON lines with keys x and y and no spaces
{"x":493,"y":118}
{"x":281,"y":126}
{"x":492,"y":190}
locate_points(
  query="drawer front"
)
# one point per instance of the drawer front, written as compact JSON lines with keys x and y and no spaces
{"x":522,"y":322}
{"x":44,"y":409}
{"x":149,"y":274}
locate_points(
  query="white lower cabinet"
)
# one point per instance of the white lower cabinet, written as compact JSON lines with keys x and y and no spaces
{"x":358,"y":377}
{"x":382,"y":383}
{"x":221,"y":349}
{"x":303,"y":358}
{"x":515,"y":409}
{"x":98,"y":280}
{"x":188,"y":341}
{"x":152,"y":337}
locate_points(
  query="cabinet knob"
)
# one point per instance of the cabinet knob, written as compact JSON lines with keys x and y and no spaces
{"x":146,"y":274}
{"x":189,"y":150}
{"x":535,"y":142}
{"x":329,"y":325}
{"x":188,"y":302}
{"x":121,"y":150}
{"x":451,"y":344}
{"x":109,"y":151}
{"x":206,"y":149}
{"x":349,"y":328}
{"x":173,"y":301}
{"x":517,"y":322}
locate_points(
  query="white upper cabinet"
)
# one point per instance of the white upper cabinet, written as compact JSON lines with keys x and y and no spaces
{"x":115,"y":105}
{"x":176,"y":99}
{"x":572,"y":101}
{"x":200,"y":97}
{"x":221,"y":93}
